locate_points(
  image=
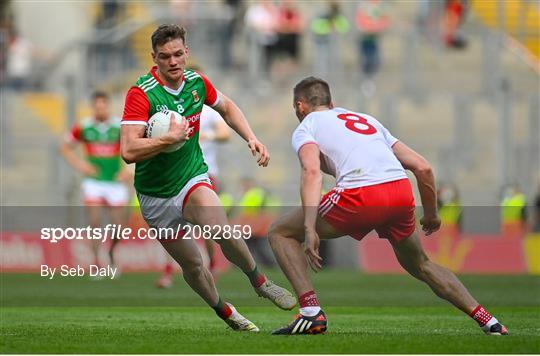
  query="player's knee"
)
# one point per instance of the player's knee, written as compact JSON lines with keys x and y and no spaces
{"x":274,"y":233}
{"x":424,"y":268}
{"x":192,"y":269}
{"x":417,"y":267}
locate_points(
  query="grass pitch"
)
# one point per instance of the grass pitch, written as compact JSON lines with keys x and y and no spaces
{"x":367,"y":314}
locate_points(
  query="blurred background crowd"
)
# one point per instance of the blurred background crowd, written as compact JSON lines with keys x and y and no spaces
{"x":458,"y":80}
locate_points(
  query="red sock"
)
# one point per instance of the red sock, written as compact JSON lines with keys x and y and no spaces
{"x":308,"y":299}
{"x":223,"y":310}
{"x":481,"y":315}
{"x":256,"y":278}
{"x":168,"y":269}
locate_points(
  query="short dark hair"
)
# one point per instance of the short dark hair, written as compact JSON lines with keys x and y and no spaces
{"x":314,"y":91}
{"x":167,"y":33}
{"x":99,"y":94}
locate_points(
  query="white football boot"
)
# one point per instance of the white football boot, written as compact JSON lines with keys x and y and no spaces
{"x":278,"y":295}
{"x":238,"y":322}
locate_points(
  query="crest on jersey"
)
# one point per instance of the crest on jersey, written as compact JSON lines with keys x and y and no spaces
{"x":195,"y":95}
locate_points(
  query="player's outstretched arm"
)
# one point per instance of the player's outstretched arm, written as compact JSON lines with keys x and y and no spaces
{"x":235,"y":118}
{"x":134,"y":147}
{"x":310,"y":191}
{"x":425,"y":180}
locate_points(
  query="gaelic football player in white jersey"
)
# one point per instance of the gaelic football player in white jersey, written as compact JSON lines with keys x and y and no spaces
{"x":372,"y":192}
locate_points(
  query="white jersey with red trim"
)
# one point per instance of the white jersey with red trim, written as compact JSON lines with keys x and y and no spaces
{"x":209,"y":120}
{"x":355,"y":148}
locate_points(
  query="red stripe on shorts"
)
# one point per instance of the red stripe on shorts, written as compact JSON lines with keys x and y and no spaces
{"x":192,"y":189}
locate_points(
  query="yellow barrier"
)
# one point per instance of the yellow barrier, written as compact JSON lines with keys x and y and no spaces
{"x":532,"y":253}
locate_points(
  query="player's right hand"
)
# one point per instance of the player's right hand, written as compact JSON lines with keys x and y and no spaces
{"x":311,"y":249}
{"x":178,"y":131}
{"x":257,"y":147}
{"x":88,"y":170}
{"x":430,"y":224}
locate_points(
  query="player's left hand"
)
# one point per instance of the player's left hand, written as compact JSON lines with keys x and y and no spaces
{"x":430,"y":224}
{"x":311,"y":249}
{"x":257,"y":147}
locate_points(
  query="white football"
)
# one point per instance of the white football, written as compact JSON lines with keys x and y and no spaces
{"x":158,"y":125}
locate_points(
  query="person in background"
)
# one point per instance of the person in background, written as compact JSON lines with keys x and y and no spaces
{"x":234,"y":9}
{"x":19,"y":58}
{"x":256,"y":210}
{"x":449,"y":205}
{"x":536,"y":226}
{"x":371,"y":20}
{"x":454,"y":16}
{"x":513,"y":211}
{"x":261,"y":23}
{"x":106,"y":177}
{"x":326,"y":28}
{"x":290,"y":26}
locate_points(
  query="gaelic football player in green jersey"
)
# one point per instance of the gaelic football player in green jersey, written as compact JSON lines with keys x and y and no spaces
{"x":173,"y":187}
{"x":105,"y":175}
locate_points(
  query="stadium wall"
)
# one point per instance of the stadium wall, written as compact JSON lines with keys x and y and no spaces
{"x":485,"y":254}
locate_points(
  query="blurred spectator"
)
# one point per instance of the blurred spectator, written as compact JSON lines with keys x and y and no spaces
{"x":105,"y":176}
{"x":449,"y":205}
{"x":513,"y":211}
{"x":430,"y":13}
{"x":20,"y":53}
{"x":181,"y":12}
{"x":254,"y":210}
{"x":371,"y":20}
{"x":454,"y":16}
{"x":233,"y":9}
{"x":290,"y":25}
{"x":110,"y":12}
{"x":3,"y":54}
{"x":326,"y":27}
{"x":536,"y":226}
{"x":261,"y":22}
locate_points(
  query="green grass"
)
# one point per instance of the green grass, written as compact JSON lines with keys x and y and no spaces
{"x":367,"y":314}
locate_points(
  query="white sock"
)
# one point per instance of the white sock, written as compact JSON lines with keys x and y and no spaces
{"x":310,"y":311}
{"x":490,"y":323}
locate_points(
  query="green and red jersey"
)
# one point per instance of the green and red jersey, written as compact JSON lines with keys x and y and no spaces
{"x":165,"y":174}
{"x":101,"y":144}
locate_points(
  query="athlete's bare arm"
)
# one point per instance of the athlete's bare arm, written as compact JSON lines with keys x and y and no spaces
{"x":134,"y":147}
{"x":426,"y":184}
{"x":67,"y":150}
{"x":234,"y":117}
{"x":310,"y":191}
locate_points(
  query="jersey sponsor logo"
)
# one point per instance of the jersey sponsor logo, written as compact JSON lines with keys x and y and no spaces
{"x":193,"y":118}
{"x":103,"y":149}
